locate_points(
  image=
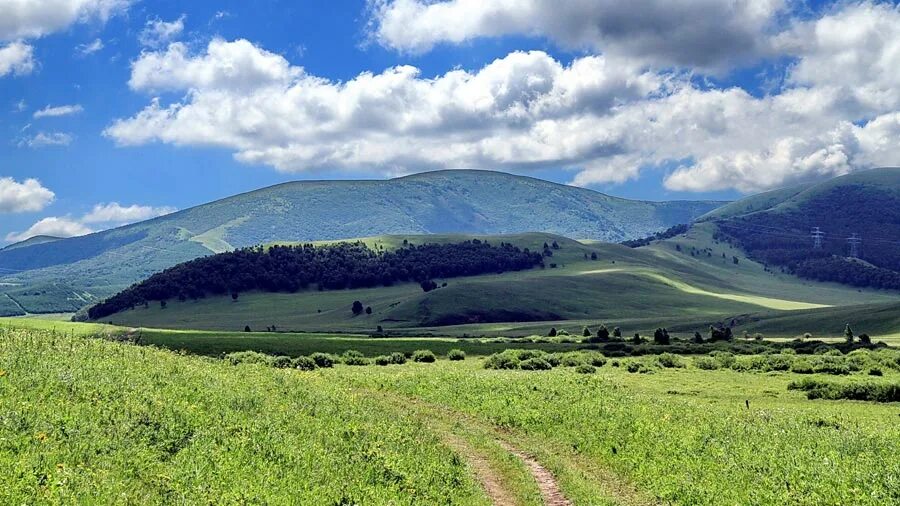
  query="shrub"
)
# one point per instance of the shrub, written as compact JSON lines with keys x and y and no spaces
{"x":875,"y":372}
{"x":585,"y":369}
{"x":615,"y":363}
{"x":818,"y":389}
{"x":572,"y":360}
{"x":554,"y":359}
{"x":353,"y":357}
{"x":504,"y":360}
{"x":281,"y":362}
{"x":828,"y":364}
{"x":423,"y":356}
{"x":528,"y":354}
{"x":456,"y":355}
{"x":669,"y":360}
{"x":724,"y":358}
{"x":802,"y":366}
{"x":597,"y":359}
{"x":535,"y":364}
{"x":552,"y":332}
{"x":706,"y":363}
{"x":248,"y":357}
{"x":303,"y":363}
{"x":323,"y":360}
{"x":382,"y":360}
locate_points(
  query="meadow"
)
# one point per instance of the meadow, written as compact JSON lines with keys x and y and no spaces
{"x":93,"y":420}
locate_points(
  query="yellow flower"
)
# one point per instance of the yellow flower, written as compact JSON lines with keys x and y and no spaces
{"x":41,"y":436}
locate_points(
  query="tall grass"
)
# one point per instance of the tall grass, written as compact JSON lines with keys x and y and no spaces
{"x":94,"y":422}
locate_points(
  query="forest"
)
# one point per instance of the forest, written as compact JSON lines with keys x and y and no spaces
{"x":332,"y":267}
{"x":782,"y":238}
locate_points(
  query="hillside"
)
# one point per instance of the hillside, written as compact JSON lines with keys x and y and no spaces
{"x":471,"y":202}
{"x":865,"y":205}
{"x":636,"y":289}
{"x":32,"y":241}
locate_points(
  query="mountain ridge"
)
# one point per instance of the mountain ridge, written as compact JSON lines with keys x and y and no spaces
{"x":461,"y":201}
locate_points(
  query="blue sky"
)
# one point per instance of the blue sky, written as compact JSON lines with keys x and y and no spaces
{"x":713,"y":101}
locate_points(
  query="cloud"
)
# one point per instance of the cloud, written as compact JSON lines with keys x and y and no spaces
{"x":704,"y":33}
{"x":89,"y":48}
{"x":16,"y":58}
{"x":53,"y":226}
{"x":116,"y":213}
{"x":158,"y":33}
{"x":61,"y":110}
{"x":605,"y":117}
{"x":27,"y":196}
{"x":101,"y":217}
{"x":32,"y":19}
{"x":46,"y":139}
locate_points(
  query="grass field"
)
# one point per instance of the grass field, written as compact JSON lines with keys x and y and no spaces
{"x":87,"y":421}
{"x":636,"y":289}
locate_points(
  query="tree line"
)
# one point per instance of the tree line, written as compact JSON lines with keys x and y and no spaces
{"x":332,"y":267}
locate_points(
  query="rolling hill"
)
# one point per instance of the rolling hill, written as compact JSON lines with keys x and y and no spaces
{"x":637,"y":289}
{"x":775,"y":228}
{"x":67,"y":274}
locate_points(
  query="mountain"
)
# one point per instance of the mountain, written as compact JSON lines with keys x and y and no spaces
{"x":32,"y":241}
{"x":71,"y":271}
{"x":776,"y":229}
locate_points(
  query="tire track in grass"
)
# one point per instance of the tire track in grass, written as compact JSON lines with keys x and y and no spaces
{"x":546,"y":482}
{"x":445,"y":422}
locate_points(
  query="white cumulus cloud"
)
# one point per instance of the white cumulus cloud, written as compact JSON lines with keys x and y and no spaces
{"x":158,"y":33}
{"x":606,"y":116}
{"x":113,"y":212}
{"x":16,"y":58}
{"x":53,"y":226}
{"x":35,"y":18}
{"x":705,"y":33}
{"x":27,"y":196}
{"x":56,"y":111}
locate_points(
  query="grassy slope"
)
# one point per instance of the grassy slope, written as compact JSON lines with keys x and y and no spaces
{"x":92,"y":422}
{"x":638,"y":290}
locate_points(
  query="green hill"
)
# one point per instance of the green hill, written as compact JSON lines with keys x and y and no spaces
{"x":32,"y":241}
{"x":775,"y":229}
{"x":473,"y":202}
{"x":636,"y":289}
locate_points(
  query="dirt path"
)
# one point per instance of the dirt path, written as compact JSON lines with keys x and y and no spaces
{"x":441,"y":419}
{"x":546,"y":482}
{"x":490,"y":480}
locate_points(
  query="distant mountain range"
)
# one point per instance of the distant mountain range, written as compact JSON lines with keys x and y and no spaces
{"x":47,"y":275}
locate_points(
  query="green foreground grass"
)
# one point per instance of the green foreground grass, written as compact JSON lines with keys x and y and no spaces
{"x":92,"y":421}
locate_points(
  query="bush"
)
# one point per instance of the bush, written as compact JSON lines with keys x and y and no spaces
{"x":638,"y":367}
{"x":706,"y":363}
{"x":353,"y":357}
{"x":572,"y":360}
{"x":802,"y":366}
{"x":535,"y":364}
{"x":382,"y":360}
{"x":875,"y":372}
{"x":423,"y":356}
{"x":818,"y":389}
{"x":456,"y":355}
{"x":303,"y":363}
{"x":323,"y":360}
{"x":669,"y":361}
{"x":397,"y":358}
{"x":281,"y":362}
{"x":554,"y":359}
{"x":504,"y":360}
{"x":248,"y":357}
{"x":528,"y":354}
{"x":597,"y":359}
{"x":585,"y":369}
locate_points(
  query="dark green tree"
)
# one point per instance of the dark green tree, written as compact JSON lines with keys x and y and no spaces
{"x":357,"y":307}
